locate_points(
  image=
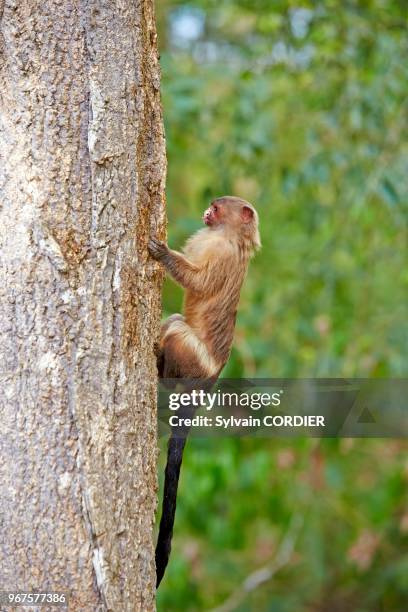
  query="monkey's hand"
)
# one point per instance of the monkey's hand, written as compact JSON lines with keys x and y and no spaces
{"x":157,"y":249}
{"x":183,"y":271}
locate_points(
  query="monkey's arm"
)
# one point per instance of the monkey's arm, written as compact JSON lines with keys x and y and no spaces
{"x":176,"y":264}
{"x":187,"y":274}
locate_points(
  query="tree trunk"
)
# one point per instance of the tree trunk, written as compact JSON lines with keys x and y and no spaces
{"x":82,"y":188}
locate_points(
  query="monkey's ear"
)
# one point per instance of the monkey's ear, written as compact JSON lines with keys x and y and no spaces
{"x":247,"y":214}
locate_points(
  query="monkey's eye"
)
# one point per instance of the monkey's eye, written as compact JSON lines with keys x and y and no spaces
{"x":215,"y":208}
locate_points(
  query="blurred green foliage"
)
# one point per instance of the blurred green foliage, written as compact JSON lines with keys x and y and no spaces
{"x":300,"y":107}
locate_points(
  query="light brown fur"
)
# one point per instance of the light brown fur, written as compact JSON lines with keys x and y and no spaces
{"x":211,"y":269}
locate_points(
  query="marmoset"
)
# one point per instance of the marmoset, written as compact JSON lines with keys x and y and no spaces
{"x":197,"y":344}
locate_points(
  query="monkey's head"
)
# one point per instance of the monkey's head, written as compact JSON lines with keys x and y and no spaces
{"x":235,"y":214}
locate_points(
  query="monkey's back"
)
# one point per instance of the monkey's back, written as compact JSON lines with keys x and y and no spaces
{"x":212,"y":317}
{"x":212,"y":313}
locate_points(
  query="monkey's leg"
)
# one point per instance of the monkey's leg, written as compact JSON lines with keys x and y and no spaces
{"x":185,"y":354}
{"x":168,"y":322}
{"x":159,"y":349}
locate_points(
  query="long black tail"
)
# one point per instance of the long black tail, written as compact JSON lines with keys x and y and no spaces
{"x":175,"y":451}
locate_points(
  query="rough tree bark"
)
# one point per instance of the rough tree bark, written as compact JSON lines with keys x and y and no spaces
{"x":82,"y":187}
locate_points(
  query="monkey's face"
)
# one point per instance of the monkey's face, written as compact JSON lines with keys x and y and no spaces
{"x":230,"y":211}
{"x":212,"y":216}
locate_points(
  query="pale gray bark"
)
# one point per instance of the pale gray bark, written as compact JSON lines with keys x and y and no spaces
{"x":81,"y":189}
